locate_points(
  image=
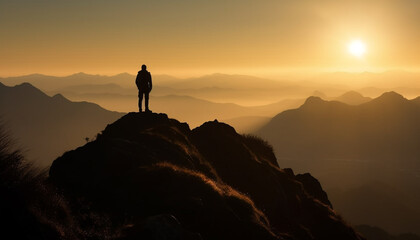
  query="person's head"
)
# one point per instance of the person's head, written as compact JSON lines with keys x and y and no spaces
{"x":143,"y":67}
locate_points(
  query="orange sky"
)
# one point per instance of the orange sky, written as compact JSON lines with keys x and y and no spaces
{"x":194,"y":36}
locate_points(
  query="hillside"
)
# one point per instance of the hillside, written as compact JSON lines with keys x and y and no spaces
{"x":153,"y":175}
{"x":48,"y":126}
{"x":347,"y":147}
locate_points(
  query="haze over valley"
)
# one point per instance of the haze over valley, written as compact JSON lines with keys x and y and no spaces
{"x":220,"y":96}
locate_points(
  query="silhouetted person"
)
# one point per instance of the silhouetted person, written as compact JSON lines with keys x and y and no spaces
{"x":144,"y":84}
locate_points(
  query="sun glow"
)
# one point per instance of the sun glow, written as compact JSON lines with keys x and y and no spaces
{"x":357,"y":48}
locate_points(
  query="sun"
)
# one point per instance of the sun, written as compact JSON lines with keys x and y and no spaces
{"x":357,"y":48}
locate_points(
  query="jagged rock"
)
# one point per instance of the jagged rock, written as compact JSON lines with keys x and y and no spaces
{"x":313,"y":188}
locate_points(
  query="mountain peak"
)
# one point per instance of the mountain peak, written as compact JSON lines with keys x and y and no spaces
{"x":60,"y":97}
{"x":79,"y":74}
{"x":124,"y":74}
{"x":390,"y":97}
{"x":353,"y":98}
{"x":27,"y":88}
{"x":392,"y":94}
{"x":351,"y":94}
{"x":25,"y":85}
{"x":313,"y":100}
{"x":319,"y":94}
{"x":216,"y":127}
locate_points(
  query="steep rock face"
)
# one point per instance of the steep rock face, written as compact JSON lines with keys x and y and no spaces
{"x":208,"y":183}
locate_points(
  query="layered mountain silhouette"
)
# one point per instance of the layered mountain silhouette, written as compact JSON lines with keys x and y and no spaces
{"x":352,"y":149}
{"x":193,"y":110}
{"x":50,"y":83}
{"x":157,"y":179}
{"x":194,"y":100}
{"x":385,"y":129}
{"x":48,"y":126}
{"x":352,"y":98}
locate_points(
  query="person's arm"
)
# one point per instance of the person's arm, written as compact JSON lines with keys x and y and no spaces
{"x":137,"y":81}
{"x":150,"y":83}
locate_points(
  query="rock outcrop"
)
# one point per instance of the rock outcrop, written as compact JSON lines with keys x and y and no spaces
{"x":147,"y":172}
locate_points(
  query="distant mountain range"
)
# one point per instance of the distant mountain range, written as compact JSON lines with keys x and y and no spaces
{"x":248,"y":124}
{"x":374,"y":145}
{"x":240,"y":89}
{"x":192,"y":110}
{"x":195,"y":111}
{"x":55,"y":114}
{"x":385,"y":128}
{"x":50,"y":83}
{"x":217,"y":80}
{"x":47,"y":126}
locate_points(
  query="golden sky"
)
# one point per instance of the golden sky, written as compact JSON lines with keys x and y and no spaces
{"x":202,"y":36}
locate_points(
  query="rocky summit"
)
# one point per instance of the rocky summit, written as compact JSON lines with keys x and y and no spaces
{"x":155,"y":178}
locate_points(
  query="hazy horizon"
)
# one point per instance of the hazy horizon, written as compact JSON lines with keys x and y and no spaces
{"x":266,"y":73}
{"x":188,"y":37}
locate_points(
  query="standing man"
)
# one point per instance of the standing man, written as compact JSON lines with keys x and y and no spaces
{"x":144,"y":84}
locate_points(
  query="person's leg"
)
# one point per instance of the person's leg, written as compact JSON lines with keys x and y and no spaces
{"x":146,"y":96}
{"x":140,"y":100}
